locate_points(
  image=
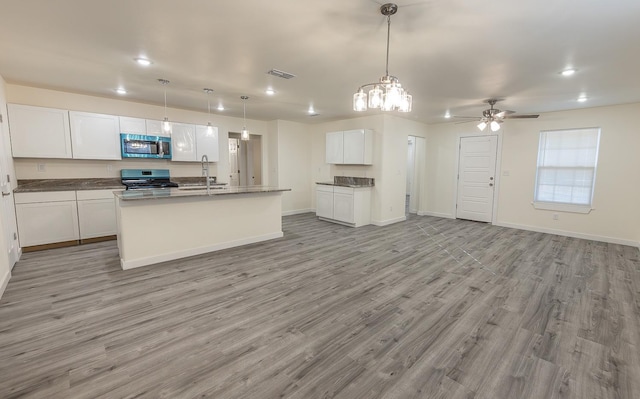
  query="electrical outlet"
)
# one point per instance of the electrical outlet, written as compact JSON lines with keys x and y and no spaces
{"x":556,"y":216}
{"x":41,"y":167}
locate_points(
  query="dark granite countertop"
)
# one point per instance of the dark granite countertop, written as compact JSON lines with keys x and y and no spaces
{"x":113,"y":183}
{"x":349,"y":181}
{"x":39,"y":185}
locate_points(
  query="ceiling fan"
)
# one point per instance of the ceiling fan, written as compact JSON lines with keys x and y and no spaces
{"x":493,"y":117}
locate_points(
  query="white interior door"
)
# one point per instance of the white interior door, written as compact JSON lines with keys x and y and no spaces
{"x":476,"y":178}
{"x":8,"y":208}
{"x":234,"y":166}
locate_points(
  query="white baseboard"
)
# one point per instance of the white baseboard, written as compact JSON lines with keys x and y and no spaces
{"x":388,"y":221}
{"x":593,"y":237}
{"x":297,"y":212}
{"x":437,"y":214}
{"x":4,"y":280}
{"x":197,"y":251}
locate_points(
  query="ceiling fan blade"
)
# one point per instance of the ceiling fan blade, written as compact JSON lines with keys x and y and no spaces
{"x":459,"y":122}
{"x":521,"y":116}
{"x":465,"y":117}
{"x":502,"y":114}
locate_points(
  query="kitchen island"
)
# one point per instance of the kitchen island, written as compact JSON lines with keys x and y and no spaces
{"x":165,"y":224}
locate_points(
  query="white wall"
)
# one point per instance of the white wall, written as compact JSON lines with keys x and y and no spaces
{"x":294,"y":166}
{"x":27,"y":168}
{"x":616,"y":217}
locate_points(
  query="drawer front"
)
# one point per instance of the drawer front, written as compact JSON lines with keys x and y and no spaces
{"x":324,"y":188}
{"x":343,"y":190}
{"x":44,"y":196}
{"x":95,"y":194}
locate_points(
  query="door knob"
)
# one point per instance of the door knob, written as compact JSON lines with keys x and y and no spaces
{"x":490,"y":184}
{"x":491,"y":178}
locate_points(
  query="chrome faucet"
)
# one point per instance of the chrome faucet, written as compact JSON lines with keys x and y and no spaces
{"x":205,"y":172}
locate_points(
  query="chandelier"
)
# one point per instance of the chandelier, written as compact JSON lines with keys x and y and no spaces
{"x":388,"y":94}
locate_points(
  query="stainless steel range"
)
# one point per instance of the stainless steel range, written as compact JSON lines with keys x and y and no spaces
{"x":136,"y":179}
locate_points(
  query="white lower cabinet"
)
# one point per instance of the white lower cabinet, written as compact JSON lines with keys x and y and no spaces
{"x":324,"y":201}
{"x":344,"y":205}
{"x":96,"y":213}
{"x":46,"y":217}
{"x":59,"y":216}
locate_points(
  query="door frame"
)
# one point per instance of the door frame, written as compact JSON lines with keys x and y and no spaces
{"x":496,"y":193}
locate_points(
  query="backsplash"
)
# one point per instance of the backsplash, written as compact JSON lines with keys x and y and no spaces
{"x":353,"y":181}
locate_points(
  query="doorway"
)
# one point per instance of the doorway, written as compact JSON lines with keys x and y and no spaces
{"x":476,"y":178}
{"x":245,"y":160}
{"x":416,"y":150}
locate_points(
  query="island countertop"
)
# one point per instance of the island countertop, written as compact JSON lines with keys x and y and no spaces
{"x":194,"y":191}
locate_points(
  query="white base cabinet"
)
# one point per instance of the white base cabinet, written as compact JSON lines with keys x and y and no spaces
{"x":350,"y":206}
{"x":59,"y":216}
{"x":46,"y":217}
{"x":324,"y":201}
{"x":96,"y":213}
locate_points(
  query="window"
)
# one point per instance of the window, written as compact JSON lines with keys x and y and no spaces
{"x":567,"y":169}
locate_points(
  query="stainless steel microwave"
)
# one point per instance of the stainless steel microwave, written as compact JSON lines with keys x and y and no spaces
{"x":141,"y":146}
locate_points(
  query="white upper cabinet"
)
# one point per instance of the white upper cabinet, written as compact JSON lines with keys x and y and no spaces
{"x":95,"y":136}
{"x":358,"y":147}
{"x":132,"y":125}
{"x":183,"y":142}
{"x":354,"y":147}
{"x":154,"y":128}
{"x":334,"y":147}
{"x":38,"y":132}
{"x":207,"y":143}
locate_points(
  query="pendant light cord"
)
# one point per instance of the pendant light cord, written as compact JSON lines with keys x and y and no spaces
{"x":388,"y":33}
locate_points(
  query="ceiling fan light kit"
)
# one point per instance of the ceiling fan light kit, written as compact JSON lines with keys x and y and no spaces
{"x":387,"y":94}
{"x":493,"y":117}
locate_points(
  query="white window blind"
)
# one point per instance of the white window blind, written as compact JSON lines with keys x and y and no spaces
{"x":567,"y":162}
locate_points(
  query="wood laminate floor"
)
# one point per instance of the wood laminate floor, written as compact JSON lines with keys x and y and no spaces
{"x":427,"y":308}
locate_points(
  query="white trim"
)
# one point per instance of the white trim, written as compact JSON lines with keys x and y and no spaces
{"x":555,"y":206}
{"x":573,"y":234}
{"x":388,"y":221}
{"x":437,"y":214}
{"x":297,"y":212}
{"x":4,"y":281}
{"x":497,"y":173}
{"x":197,"y":251}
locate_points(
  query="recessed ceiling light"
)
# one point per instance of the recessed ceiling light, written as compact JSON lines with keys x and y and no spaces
{"x":121,"y":91}
{"x":447,"y":115}
{"x":142,"y":61}
{"x":311,"y":111}
{"x":270,"y":91}
{"x":220,"y":107}
{"x":568,"y":72}
{"x":582,"y":98}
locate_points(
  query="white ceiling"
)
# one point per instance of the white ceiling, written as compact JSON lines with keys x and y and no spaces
{"x":450,"y":54}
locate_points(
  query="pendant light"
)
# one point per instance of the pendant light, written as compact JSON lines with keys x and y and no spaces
{"x":209,"y":127}
{"x":245,"y":133}
{"x":388,"y":94}
{"x":166,"y":125}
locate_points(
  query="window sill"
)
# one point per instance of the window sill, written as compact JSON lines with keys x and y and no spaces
{"x":554,"y":206}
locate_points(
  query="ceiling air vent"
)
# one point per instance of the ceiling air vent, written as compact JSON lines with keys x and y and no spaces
{"x":281,"y":74}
